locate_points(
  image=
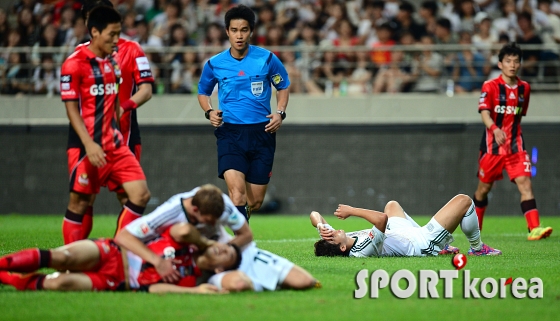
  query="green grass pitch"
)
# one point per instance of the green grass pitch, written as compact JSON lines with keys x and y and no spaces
{"x":293,"y":238}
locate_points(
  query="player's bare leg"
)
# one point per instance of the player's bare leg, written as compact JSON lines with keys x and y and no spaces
{"x":299,"y":279}
{"x":236,"y":281}
{"x":67,"y":282}
{"x":72,"y":229}
{"x":138,"y":197}
{"x":529,"y":209}
{"x":481,"y":200}
{"x":255,"y":197}
{"x":237,"y":189}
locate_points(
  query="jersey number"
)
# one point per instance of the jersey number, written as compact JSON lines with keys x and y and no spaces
{"x":264,"y":257}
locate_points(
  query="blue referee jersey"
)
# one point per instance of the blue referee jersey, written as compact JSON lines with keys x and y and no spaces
{"x":244,"y":86}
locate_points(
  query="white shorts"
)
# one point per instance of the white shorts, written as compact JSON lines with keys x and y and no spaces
{"x":266,"y":270}
{"x":404,"y":239}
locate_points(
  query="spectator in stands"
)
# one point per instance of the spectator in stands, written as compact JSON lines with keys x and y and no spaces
{"x":372,"y":18}
{"x":394,"y":77}
{"x":492,"y":7}
{"x":288,"y":16}
{"x":154,"y":10}
{"x":428,"y":12}
{"x":466,"y":12}
{"x":215,"y":36}
{"x":329,"y":74}
{"x":185,"y":74}
{"x":266,"y":18}
{"x":128,"y":26}
{"x":384,"y":36}
{"x":77,"y":35}
{"x":337,"y":12}
{"x":4,"y":28}
{"x":189,"y":13}
{"x":28,"y":29}
{"x":444,"y":36}
{"x":14,"y":40}
{"x":46,"y":78}
{"x":495,"y":71}
{"x":274,"y":38}
{"x":16,"y":81}
{"x":470,"y":67}
{"x":360,"y":80}
{"x":427,"y":68}
{"x":483,"y":39}
{"x":161,"y":24}
{"x":553,"y":19}
{"x":531,"y":57}
{"x":404,"y":22}
{"x":507,"y":21}
{"x":144,"y":37}
{"x":345,"y":40}
{"x":66,"y":23}
{"x":289,"y":61}
{"x":48,"y":39}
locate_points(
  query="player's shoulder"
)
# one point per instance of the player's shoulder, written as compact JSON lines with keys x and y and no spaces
{"x":219,"y":56}
{"x":74,"y":60}
{"x":521,"y":82}
{"x":129,"y":45}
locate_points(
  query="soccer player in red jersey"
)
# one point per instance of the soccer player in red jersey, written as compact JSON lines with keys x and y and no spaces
{"x":89,"y":88}
{"x":101,"y":265}
{"x":502,"y":104}
{"x":135,"y":89}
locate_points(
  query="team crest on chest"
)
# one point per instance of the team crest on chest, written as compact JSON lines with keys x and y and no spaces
{"x":257,"y":88}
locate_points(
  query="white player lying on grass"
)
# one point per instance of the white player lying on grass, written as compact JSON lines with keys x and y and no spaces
{"x":394,"y":233}
{"x":259,"y":270}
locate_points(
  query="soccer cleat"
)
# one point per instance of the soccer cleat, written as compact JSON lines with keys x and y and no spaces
{"x":248,"y":209}
{"x":485,"y":250}
{"x":539,"y":233}
{"x":448,"y":249}
{"x":318,"y":285}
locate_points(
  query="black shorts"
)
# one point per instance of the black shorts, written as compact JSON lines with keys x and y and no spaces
{"x":247,"y":149}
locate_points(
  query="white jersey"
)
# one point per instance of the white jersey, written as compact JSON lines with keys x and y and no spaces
{"x":266,"y":270}
{"x":150,"y":226}
{"x":368,"y":242}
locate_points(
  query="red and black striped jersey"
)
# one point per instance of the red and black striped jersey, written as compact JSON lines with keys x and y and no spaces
{"x":92,"y":82}
{"x":167,"y":248}
{"x":506,"y":104}
{"x":135,"y":70}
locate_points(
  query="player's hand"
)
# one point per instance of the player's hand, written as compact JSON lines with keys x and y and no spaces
{"x":274,"y":124}
{"x":167,"y":270}
{"x":326,"y":233}
{"x":500,"y":136}
{"x":216,"y":118}
{"x":206,"y":288}
{"x":96,"y":155}
{"x":343,"y":211}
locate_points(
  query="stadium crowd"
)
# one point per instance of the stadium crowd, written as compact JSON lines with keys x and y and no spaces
{"x":330,"y":47}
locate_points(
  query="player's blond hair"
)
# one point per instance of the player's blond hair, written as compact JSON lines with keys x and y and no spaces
{"x":209,"y":200}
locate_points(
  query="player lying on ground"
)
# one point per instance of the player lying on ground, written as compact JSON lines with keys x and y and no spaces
{"x":394,"y":233}
{"x":101,"y":265}
{"x":260,"y":270}
{"x":206,"y":207}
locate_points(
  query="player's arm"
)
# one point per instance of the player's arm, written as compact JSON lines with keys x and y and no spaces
{"x":142,"y":76}
{"x":187,"y":233}
{"x":164,"y":267}
{"x":243,"y":236}
{"x":94,"y":151}
{"x":206,"y":85}
{"x":280,"y":81}
{"x":324,"y":229}
{"x":379,"y":219}
{"x":172,"y":288}
{"x":316,"y":218}
{"x":215,"y":116}
{"x":499,"y":134}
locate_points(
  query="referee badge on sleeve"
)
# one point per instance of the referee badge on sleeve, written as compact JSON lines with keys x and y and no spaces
{"x":257,"y":88}
{"x":276,"y":79}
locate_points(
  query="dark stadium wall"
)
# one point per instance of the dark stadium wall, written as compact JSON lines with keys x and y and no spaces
{"x":316,"y":167}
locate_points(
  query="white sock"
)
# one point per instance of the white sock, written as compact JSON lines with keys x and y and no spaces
{"x":469,"y":226}
{"x":411,"y":220}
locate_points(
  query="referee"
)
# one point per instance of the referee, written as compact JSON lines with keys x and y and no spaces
{"x":245,"y":124}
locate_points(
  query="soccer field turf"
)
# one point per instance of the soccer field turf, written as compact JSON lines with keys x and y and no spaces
{"x":293,"y":238}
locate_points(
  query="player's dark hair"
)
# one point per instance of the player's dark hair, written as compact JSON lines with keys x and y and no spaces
{"x":324,"y":248}
{"x":100,"y":17}
{"x":240,"y":12}
{"x":209,"y":200}
{"x":92,"y":4}
{"x":237,"y":260}
{"x":511,"y":49}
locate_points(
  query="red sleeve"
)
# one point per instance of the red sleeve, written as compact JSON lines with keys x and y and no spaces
{"x":485,"y":100}
{"x":141,"y":66}
{"x":526,"y":99}
{"x":70,"y":80}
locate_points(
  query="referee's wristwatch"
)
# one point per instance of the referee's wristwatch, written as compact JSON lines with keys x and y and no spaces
{"x":282,"y":114}
{"x":207,"y":113}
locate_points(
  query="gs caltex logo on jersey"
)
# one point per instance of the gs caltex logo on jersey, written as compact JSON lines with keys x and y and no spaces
{"x":83,"y":179}
{"x":276,"y":79}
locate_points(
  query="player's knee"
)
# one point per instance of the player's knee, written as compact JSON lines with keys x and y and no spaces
{"x":57,"y":282}
{"x":236,"y":281}
{"x":391,"y":205}
{"x":464,"y":200}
